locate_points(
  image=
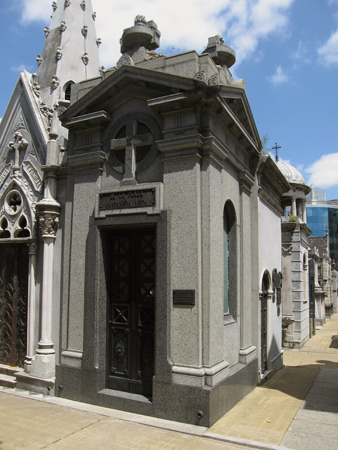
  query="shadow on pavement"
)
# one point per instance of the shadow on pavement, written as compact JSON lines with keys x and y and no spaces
{"x":317,"y":383}
{"x":326,"y":364}
{"x":294,"y":381}
{"x":323,"y":395}
{"x":334,"y":341}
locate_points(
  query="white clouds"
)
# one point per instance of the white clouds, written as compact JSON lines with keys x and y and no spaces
{"x":328,"y":53}
{"x":301,"y":55}
{"x":246,"y":22}
{"x":324,"y":171}
{"x":33,"y":10}
{"x":20,"y":68}
{"x":184,"y":25}
{"x":188,"y":25}
{"x":279,"y":77}
{"x":281,"y":160}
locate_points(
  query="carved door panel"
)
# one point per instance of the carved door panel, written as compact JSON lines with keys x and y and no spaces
{"x":264,"y":326}
{"x":312,"y":315}
{"x":131,"y":311}
{"x":13,"y":303}
{"x":264,"y":334}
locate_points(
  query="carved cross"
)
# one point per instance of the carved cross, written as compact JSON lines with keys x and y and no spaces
{"x":131,"y":143}
{"x":19,"y":144}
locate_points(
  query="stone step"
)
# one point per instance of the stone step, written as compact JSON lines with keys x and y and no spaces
{"x":7,"y":381}
{"x":9,"y":370}
{"x":16,"y":377}
{"x":38,"y":385}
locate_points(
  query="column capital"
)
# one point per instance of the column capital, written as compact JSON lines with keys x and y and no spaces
{"x":48,"y":212}
{"x":48,"y":224}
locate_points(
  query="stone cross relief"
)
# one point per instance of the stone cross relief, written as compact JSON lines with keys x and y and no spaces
{"x":18,"y":145}
{"x":131,"y":143}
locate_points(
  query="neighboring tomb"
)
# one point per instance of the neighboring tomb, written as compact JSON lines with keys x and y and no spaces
{"x":295,"y":233}
{"x":326,"y":278}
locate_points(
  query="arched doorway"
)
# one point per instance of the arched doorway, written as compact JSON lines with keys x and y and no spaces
{"x":264,"y":322}
{"x":13,"y":303}
{"x":16,"y":221}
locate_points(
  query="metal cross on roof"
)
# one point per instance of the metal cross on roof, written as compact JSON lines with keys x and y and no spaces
{"x":276,"y":148}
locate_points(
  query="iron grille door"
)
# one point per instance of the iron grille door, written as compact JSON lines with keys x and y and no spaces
{"x":131,"y":312}
{"x":264,"y":332}
{"x":13,"y":303}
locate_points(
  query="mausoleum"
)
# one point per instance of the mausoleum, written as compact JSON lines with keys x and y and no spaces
{"x":139,"y":227}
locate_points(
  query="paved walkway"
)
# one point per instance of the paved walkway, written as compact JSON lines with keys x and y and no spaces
{"x":31,"y":421}
{"x":298,"y":403}
{"x":297,"y":408}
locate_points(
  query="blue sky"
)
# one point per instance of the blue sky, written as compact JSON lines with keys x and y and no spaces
{"x":287,"y":53}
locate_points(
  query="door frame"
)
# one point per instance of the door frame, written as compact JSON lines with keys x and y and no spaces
{"x":130,"y":346}
{"x":94,"y":362}
{"x":264,"y":306}
{"x":17,"y":360}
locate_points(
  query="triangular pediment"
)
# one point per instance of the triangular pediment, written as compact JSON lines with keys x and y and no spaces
{"x":125,"y":83}
{"x":163,"y":92}
{"x":23,"y":136}
{"x":239,"y":115}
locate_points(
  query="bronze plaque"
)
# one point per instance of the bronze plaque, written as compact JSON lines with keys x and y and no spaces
{"x":139,"y":198}
{"x":184,"y":297}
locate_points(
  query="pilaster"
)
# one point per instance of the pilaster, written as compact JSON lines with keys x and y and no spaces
{"x":43,"y":365}
{"x":31,"y":319}
{"x":248,"y":352}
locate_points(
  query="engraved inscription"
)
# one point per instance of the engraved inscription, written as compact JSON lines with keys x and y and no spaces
{"x":127,"y":199}
{"x":33,"y":174}
{"x":5,"y":172}
{"x":184,"y":297}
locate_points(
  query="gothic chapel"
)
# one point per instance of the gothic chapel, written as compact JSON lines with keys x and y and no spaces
{"x":140,"y":227}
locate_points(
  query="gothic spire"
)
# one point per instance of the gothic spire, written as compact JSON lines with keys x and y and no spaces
{"x":70,"y":53}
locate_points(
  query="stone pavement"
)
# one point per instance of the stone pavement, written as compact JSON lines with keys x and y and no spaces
{"x":31,"y":421}
{"x":297,"y":408}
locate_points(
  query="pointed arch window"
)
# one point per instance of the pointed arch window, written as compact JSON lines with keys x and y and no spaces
{"x":14,"y":219}
{"x":230,"y":260}
{"x":67,"y":90}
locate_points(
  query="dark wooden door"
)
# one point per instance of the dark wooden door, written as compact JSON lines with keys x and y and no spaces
{"x":131,"y":313}
{"x":264,"y":325}
{"x":13,"y":303}
{"x":312,"y":295}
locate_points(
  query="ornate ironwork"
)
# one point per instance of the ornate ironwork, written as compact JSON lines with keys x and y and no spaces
{"x":277,"y":283}
{"x":13,"y":304}
{"x":120,"y":351}
{"x":264,"y":323}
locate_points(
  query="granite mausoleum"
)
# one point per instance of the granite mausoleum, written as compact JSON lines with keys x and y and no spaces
{"x":140,"y":227}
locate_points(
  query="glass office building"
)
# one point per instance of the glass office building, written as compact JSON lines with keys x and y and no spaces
{"x":321,"y":217}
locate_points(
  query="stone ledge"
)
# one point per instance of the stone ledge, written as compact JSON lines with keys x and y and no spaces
{"x":9,"y":370}
{"x":40,"y":385}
